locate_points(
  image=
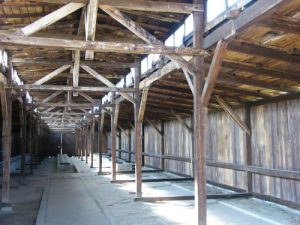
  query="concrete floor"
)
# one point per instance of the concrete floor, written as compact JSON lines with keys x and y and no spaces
{"x":86,"y":198}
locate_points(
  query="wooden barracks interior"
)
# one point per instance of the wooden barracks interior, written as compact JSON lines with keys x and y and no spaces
{"x":150,"y":112}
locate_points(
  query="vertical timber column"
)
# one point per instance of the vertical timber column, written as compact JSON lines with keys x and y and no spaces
{"x":82,"y":142}
{"x":30,"y":142}
{"x":23,"y":133}
{"x":162,"y":140}
{"x":120,"y":144}
{"x":200,"y":116}
{"x":92,"y":134}
{"x":113,"y":140}
{"x":249,"y":150}
{"x":6,"y":101}
{"x":138,"y":135}
{"x":100,"y":141}
{"x":86,"y":142}
{"x":36,"y":138}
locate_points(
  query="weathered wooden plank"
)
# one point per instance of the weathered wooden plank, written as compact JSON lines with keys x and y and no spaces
{"x":76,"y":68}
{"x":105,"y":81}
{"x":139,"y":5}
{"x":68,"y":88}
{"x":98,"y":46}
{"x":145,"y":35}
{"x":143,"y":103}
{"x":233,"y":115}
{"x":51,"y":75}
{"x":50,"y":18}
{"x":90,"y":23}
{"x":213,"y":72}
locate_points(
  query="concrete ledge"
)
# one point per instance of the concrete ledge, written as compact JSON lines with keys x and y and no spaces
{"x":6,"y":207}
{"x":40,"y":219}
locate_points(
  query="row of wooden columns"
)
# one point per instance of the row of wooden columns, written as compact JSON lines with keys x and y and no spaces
{"x":30,"y":136}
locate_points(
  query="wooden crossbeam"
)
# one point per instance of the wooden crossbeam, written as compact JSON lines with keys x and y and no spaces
{"x":140,"y":5}
{"x":87,"y":97}
{"x":181,"y":120}
{"x":98,"y":46}
{"x":268,"y":51}
{"x":143,"y":104}
{"x":90,"y":25}
{"x":95,"y":64}
{"x":50,"y":18}
{"x":233,"y":115}
{"x":105,"y":81}
{"x":51,"y":75}
{"x":52,"y":96}
{"x":213,"y":72}
{"x":154,"y":126}
{"x":76,"y":70}
{"x":68,"y":88}
{"x":71,"y":105}
{"x":146,"y":36}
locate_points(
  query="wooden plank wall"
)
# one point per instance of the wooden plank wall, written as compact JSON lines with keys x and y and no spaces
{"x":275,"y":144}
{"x":152,"y":145}
{"x":178,"y":142}
{"x":226,"y":142}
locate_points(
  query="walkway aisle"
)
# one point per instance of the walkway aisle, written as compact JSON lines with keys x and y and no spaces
{"x":70,"y":203}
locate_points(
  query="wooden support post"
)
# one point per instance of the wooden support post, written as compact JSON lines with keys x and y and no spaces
{"x":143,"y":144}
{"x":248,"y":151}
{"x":92,"y":135}
{"x":6,"y":101}
{"x":200,"y":117}
{"x":120,"y":143}
{"x":100,"y":142}
{"x":82,"y":142}
{"x":30,"y":141}
{"x":114,"y":119}
{"x":86,"y":130}
{"x":162,"y":147}
{"x":23,"y":133}
{"x":130,"y":145}
{"x":35,"y":144}
{"x":138,"y":135}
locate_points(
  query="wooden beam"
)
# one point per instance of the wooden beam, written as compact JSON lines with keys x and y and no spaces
{"x":153,"y":125}
{"x":95,"y":64}
{"x":281,"y":24}
{"x":262,"y":50}
{"x":98,"y":46}
{"x":114,"y":119}
{"x":69,"y":105}
{"x":200,"y":120}
{"x":52,"y":96}
{"x":189,"y":80}
{"x":68,"y":88}
{"x":213,"y":72}
{"x":76,"y":70}
{"x":233,"y":115}
{"x":6,"y":105}
{"x":146,"y":36}
{"x":87,"y":97}
{"x":90,"y":25}
{"x":105,"y":81}
{"x":138,"y":135}
{"x":51,"y":75}
{"x":100,"y":140}
{"x":139,"y":5}
{"x":50,"y":18}
{"x":181,"y":120}
{"x":143,"y":103}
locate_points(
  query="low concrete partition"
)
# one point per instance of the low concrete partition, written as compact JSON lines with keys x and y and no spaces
{"x":64,"y":164}
{"x":125,"y":167}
